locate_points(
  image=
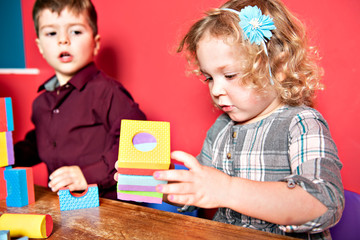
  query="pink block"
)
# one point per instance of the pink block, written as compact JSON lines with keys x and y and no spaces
{"x":138,"y":198}
{"x":137,"y":188}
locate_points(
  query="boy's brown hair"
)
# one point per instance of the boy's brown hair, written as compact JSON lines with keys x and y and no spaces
{"x":76,"y":6}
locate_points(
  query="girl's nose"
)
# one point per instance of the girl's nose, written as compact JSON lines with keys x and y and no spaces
{"x":217,"y":87}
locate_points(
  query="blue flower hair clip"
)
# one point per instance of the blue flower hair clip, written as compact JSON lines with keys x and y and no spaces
{"x":256,"y":26}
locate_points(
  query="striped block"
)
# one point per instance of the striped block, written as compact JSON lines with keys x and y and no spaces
{"x":6,"y":115}
{"x":71,"y":201}
{"x":6,"y":149}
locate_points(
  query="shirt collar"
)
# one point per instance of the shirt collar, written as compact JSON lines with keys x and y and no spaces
{"x":78,"y":80}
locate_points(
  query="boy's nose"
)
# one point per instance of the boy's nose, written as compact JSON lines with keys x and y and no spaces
{"x":64,"y":40}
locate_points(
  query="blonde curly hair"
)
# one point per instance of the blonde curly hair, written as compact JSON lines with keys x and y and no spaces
{"x":294,"y":64}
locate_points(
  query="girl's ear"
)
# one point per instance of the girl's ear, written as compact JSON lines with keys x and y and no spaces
{"x":97,"y":44}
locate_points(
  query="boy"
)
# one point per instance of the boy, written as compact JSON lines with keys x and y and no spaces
{"x":77,"y":117}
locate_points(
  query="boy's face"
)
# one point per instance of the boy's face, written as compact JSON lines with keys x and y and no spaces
{"x":66,"y":42}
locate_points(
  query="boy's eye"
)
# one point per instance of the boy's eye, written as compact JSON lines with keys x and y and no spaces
{"x":50,"y":34}
{"x":76,"y":32}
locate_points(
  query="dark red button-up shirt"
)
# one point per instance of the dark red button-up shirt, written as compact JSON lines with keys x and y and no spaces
{"x":79,"y":124}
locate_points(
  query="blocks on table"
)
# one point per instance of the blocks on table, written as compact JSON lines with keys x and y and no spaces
{"x":6,"y":128}
{"x":144,"y":148}
{"x":71,"y":201}
{"x":19,"y":186}
{"x":29,"y":225}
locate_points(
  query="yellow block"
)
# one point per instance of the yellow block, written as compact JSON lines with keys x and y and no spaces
{"x":30,"y":225}
{"x":131,"y":157}
{"x":3,"y":150}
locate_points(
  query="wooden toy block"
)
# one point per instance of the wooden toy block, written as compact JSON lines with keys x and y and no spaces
{"x":4,"y":235}
{"x":6,"y":115}
{"x":2,"y":184}
{"x":6,"y":149}
{"x":29,"y":225}
{"x":71,"y":201}
{"x":144,"y":144}
{"x":19,"y":187}
{"x":140,"y":196}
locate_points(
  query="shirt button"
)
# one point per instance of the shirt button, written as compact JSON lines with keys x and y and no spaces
{"x":54,"y":144}
{"x":56,"y":111}
{"x":234,"y":134}
{"x":228,"y":155}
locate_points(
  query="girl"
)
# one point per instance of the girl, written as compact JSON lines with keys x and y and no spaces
{"x":269,"y":161}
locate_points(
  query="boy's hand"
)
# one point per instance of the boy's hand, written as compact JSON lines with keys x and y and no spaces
{"x":69,"y":176}
{"x":200,"y":186}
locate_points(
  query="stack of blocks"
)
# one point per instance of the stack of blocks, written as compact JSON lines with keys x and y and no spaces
{"x":144,"y":148}
{"x":6,"y":128}
{"x":16,"y":184}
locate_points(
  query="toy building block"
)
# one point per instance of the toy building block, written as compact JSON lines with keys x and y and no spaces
{"x":2,"y":184}
{"x":20,"y":187}
{"x":6,"y":115}
{"x":4,"y":235}
{"x":140,"y":196}
{"x":137,"y":171}
{"x":144,"y":144}
{"x":6,"y":149}
{"x":29,"y":225}
{"x":71,"y":201}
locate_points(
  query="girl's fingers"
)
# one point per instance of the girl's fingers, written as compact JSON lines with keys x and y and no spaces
{"x":189,"y":160}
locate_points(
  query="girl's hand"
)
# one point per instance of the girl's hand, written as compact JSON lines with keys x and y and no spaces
{"x":116,"y":174}
{"x":199,"y":186}
{"x":69,"y":176}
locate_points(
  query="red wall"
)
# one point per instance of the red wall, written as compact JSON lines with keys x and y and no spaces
{"x":138,"y":48}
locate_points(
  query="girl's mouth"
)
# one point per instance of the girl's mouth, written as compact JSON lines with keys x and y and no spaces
{"x":226,"y":108}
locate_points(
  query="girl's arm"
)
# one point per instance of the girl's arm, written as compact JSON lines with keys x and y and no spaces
{"x":208,"y":187}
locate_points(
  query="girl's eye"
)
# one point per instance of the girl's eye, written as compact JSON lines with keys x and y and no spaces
{"x":230,"y":76}
{"x":206,"y":78}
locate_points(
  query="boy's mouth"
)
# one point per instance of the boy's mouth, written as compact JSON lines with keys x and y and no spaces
{"x":65,"y":57}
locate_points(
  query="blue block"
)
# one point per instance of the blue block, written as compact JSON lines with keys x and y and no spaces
{"x":4,"y":235}
{"x":69,"y":201}
{"x":16,"y":186}
{"x":9,"y":114}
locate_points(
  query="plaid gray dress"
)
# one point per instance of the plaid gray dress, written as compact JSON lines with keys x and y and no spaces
{"x":292,"y":145}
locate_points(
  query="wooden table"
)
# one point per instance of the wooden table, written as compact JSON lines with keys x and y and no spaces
{"x":118,"y":220}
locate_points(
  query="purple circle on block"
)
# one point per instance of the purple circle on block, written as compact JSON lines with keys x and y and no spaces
{"x":144,"y":142}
